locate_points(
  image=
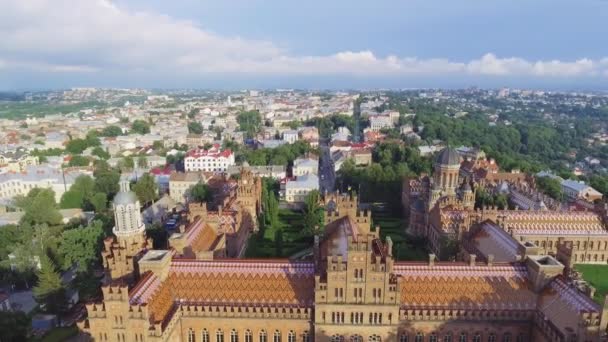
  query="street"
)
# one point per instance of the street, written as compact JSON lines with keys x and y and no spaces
{"x":327,"y":175}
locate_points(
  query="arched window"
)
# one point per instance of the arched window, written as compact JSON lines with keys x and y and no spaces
{"x":291,"y":337}
{"x":521,"y":338}
{"x":419,"y":337}
{"x":375,"y":338}
{"x":205,"y":336}
{"x":248,"y":336}
{"x":305,"y":337}
{"x":277,"y":336}
{"x":337,"y":338}
{"x":263,"y":336}
{"x":356,"y":338}
{"x":492,"y":337}
{"x":191,"y":337}
{"x":463,"y":337}
{"x":506,"y":337}
{"x":433,"y":338}
{"x":403,"y":337}
{"x":219,"y":335}
{"x":234,"y":336}
{"x":447,"y":337}
{"x":477,"y":337}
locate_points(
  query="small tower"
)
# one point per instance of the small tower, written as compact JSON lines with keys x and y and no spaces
{"x":446,"y":171}
{"x":468,"y":196}
{"x":121,"y":252}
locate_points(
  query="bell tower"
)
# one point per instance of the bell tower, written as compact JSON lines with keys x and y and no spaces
{"x":121,"y":251}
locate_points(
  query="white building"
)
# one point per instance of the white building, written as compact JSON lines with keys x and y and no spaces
{"x":290,"y":136}
{"x":211,"y":160}
{"x":13,"y":184}
{"x":305,"y":166}
{"x":379,"y":122}
{"x":297,"y":190}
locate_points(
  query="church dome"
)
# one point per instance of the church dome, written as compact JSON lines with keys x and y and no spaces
{"x":448,"y":156}
{"x":125,"y":196}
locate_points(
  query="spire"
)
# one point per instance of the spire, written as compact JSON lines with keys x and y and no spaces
{"x":125,"y":186}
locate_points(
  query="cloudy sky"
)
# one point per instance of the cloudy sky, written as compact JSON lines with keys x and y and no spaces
{"x":312,"y":43}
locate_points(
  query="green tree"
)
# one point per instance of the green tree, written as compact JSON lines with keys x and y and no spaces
{"x":49,"y":290}
{"x":158,"y":234}
{"x":99,"y":152}
{"x":99,"y":201}
{"x":111,"y":131}
{"x":313,"y":213}
{"x":146,"y":188}
{"x":195,"y":127}
{"x":76,"y":146}
{"x":78,"y":160}
{"x":551,"y":187}
{"x":200,"y":193}
{"x":140,"y":126}
{"x":40,"y":208}
{"x":127,"y":163}
{"x":79,"y":194}
{"x":82,"y":246}
{"x":250,"y":122}
{"x":106,"y":181}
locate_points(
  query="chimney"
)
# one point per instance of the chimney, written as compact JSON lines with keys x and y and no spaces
{"x":431,"y":260}
{"x":472,"y":259}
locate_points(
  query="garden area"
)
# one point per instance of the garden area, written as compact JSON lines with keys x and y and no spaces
{"x":596,"y":276}
{"x":405,"y":247}
{"x":281,"y":240}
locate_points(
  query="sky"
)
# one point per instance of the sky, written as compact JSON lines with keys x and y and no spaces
{"x":330,"y":44}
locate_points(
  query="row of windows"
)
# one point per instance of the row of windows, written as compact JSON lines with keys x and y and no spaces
{"x":247,"y":336}
{"x":462,"y":337}
{"x":357,"y":318}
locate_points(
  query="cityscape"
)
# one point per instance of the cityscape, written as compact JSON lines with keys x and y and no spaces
{"x":242,"y":184}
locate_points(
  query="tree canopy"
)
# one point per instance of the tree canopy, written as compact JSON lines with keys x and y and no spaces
{"x":200,"y":193}
{"x":250,"y":122}
{"x":39,"y":207}
{"x":82,"y":246}
{"x":140,"y":126}
{"x":195,"y":127}
{"x":146,"y":188}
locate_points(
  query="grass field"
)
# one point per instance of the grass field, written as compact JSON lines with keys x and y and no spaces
{"x":597,"y":276}
{"x":264,"y":246}
{"x":404,"y":247}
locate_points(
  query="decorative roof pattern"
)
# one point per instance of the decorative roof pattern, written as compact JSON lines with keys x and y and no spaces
{"x":465,"y":287}
{"x":259,"y":283}
{"x":554,"y":223}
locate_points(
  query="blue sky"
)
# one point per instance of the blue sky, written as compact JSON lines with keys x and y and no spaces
{"x":313,"y":44}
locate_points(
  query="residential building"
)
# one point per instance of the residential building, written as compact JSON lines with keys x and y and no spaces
{"x":211,"y":160}
{"x":297,"y":190}
{"x":579,"y":190}
{"x":310,"y":135}
{"x":265,"y":171}
{"x":16,"y":161}
{"x":180,"y":184}
{"x":379,"y":122}
{"x":290,"y":136}
{"x":304,"y":166}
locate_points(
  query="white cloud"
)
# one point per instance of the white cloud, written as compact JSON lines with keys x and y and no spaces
{"x":76,"y":36}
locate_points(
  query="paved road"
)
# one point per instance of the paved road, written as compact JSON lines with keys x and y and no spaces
{"x":327,"y":176}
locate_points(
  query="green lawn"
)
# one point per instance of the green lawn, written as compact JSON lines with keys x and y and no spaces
{"x":597,"y":276}
{"x":59,"y":334}
{"x":405,"y":247}
{"x":263,"y":245}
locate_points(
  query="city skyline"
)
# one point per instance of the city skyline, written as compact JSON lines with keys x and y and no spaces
{"x":255,"y":44}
